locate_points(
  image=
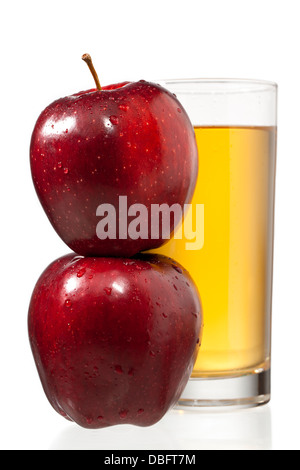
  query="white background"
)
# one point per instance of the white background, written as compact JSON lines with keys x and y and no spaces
{"x":41,"y":46}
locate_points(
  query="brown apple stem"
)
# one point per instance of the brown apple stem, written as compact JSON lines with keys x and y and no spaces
{"x":87,"y":58}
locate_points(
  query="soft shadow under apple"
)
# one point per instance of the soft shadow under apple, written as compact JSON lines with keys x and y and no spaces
{"x":241,"y":429}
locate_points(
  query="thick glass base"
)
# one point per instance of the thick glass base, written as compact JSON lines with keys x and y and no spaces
{"x":243,"y":391}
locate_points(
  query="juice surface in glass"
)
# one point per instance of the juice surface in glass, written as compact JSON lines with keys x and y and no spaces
{"x":233,"y":269}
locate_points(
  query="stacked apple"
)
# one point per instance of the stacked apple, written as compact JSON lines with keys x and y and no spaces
{"x":114,"y":332}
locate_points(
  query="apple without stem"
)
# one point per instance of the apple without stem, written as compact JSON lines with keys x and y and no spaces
{"x":128,"y":139}
{"x":114,"y":340}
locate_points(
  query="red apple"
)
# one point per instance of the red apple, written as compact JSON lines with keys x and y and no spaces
{"x":129,"y":139}
{"x":114,"y":340}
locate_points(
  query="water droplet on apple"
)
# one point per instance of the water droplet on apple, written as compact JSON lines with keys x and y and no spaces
{"x":68,"y":303}
{"x":152,"y":353}
{"x":141,"y":411}
{"x":177,"y":268}
{"x":66,"y":171}
{"x":89,"y":420}
{"x":107,"y":290}
{"x":81,"y":272}
{"x":119,"y":369}
{"x":124,"y":107}
{"x":123,"y":414}
{"x":59,"y":164}
{"x":179,"y":110}
{"x":114,"y":120}
{"x":100,"y":418}
{"x":175,"y":287}
{"x":128,"y":263}
{"x":164,"y":315}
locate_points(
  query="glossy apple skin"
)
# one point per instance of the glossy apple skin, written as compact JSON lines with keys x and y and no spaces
{"x":129,"y":139}
{"x":114,"y":340}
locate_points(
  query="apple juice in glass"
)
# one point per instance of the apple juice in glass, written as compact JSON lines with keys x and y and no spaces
{"x":235,"y":129}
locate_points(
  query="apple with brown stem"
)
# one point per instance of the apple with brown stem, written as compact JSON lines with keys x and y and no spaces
{"x":89,"y":149}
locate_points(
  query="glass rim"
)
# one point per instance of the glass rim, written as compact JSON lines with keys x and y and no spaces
{"x":233,"y":85}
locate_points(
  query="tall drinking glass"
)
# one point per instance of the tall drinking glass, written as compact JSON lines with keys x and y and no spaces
{"x":231,"y":256}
